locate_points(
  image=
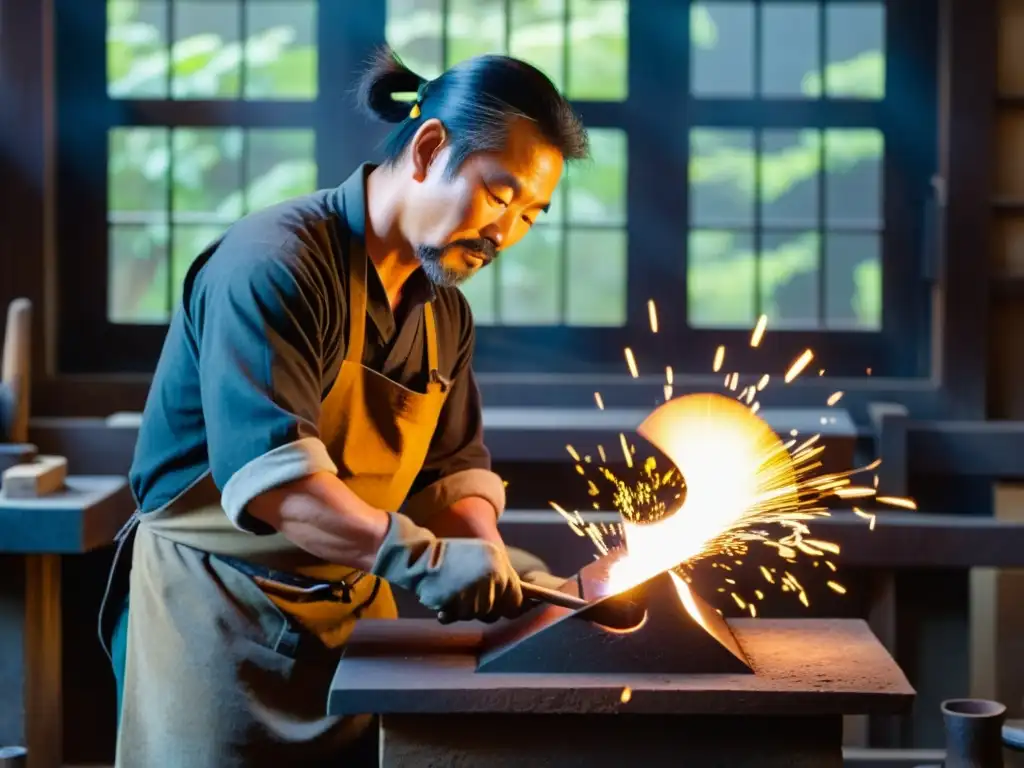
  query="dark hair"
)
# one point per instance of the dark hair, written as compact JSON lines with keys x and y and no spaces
{"x":475,"y":100}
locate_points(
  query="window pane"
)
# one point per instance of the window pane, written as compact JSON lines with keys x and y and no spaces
{"x":479,"y":290}
{"x":207,"y":174}
{"x":280,"y":49}
{"x":415,"y":32}
{"x":722,"y":178}
{"x":722,"y":49}
{"x":137,"y":274}
{"x":475,"y":27}
{"x":853,"y":163}
{"x":530,"y":276}
{"x":537,"y":35}
{"x":137,"y":58}
{"x":790,"y":165}
{"x":597,"y":287}
{"x":137,"y":175}
{"x":219,"y":174}
{"x":187,"y":242}
{"x":789,"y":279}
{"x":597,"y":188}
{"x":853,"y":281}
{"x":855,"y":50}
{"x":207,"y":53}
{"x":598,"y":50}
{"x":721,"y":279}
{"x":281,"y":163}
{"x":790,"y":51}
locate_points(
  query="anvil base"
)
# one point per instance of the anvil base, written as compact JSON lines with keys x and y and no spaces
{"x":599,"y":741}
{"x":437,"y":710}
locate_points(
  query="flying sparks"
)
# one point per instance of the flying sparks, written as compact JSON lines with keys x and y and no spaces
{"x":798,"y":366}
{"x":735,"y":489}
{"x":652,"y":314}
{"x":719,"y":359}
{"x":631,"y":362}
{"x":758,"y":334}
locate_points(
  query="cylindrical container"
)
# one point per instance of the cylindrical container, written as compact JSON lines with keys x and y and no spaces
{"x":973,"y":733}
{"x":13,"y":757}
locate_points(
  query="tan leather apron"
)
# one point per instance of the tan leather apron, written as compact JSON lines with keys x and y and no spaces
{"x":213,"y":676}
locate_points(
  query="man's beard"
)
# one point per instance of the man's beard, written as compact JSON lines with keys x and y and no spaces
{"x":431,"y":259}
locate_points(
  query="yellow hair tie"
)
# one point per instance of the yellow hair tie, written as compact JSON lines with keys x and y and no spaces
{"x":415,"y":111}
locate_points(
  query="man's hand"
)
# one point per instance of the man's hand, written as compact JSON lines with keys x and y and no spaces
{"x":463,"y":578}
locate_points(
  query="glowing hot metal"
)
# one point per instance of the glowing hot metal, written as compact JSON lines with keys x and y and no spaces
{"x":733,"y":465}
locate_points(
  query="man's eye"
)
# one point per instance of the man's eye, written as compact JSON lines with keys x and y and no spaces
{"x":497,"y":199}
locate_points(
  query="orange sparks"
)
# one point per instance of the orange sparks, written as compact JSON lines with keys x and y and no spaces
{"x":572,"y":452}
{"x":652,"y":314}
{"x":631,"y":362}
{"x":734,"y":380}
{"x":599,"y":400}
{"x":867,"y":516}
{"x":600,"y":452}
{"x":627,"y":694}
{"x":625,"y":450}
{"x":667,"y":391}
{"x":834,"y":398}
{"x":854,"y":492}
{"x":836,"y":587}
{"x":798,"y":365}
{"x":758,"y":334}
{"x":719,"y":359}
{"x":763,"y":382}
{"x":897,"y":501}
{"x":668,"y":375}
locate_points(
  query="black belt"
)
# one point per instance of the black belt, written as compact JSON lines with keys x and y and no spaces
{"x":310,"y":590}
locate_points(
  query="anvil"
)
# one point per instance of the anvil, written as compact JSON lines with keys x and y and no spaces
{"x":674,"y":631}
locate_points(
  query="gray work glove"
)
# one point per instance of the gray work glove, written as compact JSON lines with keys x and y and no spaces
{"x":463,"y":579}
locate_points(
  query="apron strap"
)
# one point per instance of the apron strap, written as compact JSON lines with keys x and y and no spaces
{"x":356,"y":302}
{"x":431,"y":333}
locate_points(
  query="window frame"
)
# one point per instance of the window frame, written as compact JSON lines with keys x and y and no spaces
{"x":657,"y":64}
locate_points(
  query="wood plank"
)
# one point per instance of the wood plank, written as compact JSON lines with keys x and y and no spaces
{"x":35,"y":479}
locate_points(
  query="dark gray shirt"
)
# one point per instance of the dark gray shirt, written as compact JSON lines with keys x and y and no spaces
{"x":259,"y":340}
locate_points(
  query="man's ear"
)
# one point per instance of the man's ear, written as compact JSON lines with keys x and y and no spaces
{"x":427,"y":144}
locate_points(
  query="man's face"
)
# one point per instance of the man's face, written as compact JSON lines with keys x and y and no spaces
{"x":462,"y":224}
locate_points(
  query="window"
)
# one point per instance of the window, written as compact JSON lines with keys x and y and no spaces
{"x":749,"y":157}
{"x":787,"y":221}
{"x":810,"y":136}
{"x":172,"y":190}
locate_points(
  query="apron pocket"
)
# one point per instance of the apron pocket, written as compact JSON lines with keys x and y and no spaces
{"x":277,"y":631}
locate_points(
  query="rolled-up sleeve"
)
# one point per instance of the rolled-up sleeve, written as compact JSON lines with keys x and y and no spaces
{"x":257,"y":330}
{"x":458,"y":464}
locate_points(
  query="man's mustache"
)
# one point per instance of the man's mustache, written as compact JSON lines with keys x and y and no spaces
{"x":481,"y":245}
